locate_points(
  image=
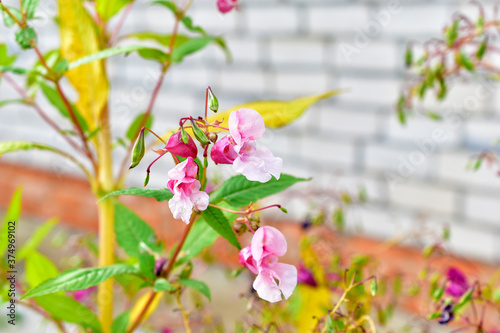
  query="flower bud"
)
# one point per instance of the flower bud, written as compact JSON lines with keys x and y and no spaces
{"x":213,"y":103}
{"x":177,"y":146}
{"x":138,"y":151}
{"x":159,"y":264}
{"x":212,"y":137}
{"x":199,"y":134}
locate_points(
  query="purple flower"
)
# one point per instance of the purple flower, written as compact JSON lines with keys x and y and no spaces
{"x":447,"y":314}
{"x":159,"y":264}
{"x":305,"y":276}
{"x":457,"y":282}
{"x":82,"y":295}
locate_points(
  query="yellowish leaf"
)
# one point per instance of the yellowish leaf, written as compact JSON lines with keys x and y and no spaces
{"x":79,"y":38}
{"x":277,"y":113}
{"x":316,"y":301}
{"x":139,"y":305}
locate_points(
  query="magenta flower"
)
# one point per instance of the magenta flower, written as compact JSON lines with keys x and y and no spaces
{"x":82,"y":295}
{"x":239,"y":148}
{"x":176,"y":146}
{"x":457,"y":282}
{"x":226,"y":5}
{"x":261,"y":258}
{"x":186,"y":189}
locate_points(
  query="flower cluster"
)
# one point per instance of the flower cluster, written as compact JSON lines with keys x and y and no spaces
{"x":239,"y":148}
{"x":261,"y":258}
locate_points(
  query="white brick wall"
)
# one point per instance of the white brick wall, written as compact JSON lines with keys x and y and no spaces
{"x":290,"y":48}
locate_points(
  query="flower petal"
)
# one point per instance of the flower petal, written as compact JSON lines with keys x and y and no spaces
{"x":287,"y":276}
{"x":266,"y":287}
{"x":246,"y":259}
{"x":181,"y":207}
{"x":246,"y":125}
{"x":268,"y":240}
{"x":223,"y":152}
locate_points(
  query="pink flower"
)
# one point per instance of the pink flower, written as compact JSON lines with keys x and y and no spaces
{"x":186,"y":189}
{"x":457,"y":282}
{"x":261,"y":258}
{"x":239,"y":148}
{"x":176,"y":146}
{"x":226,"y":5}
{"x":82,"y":295}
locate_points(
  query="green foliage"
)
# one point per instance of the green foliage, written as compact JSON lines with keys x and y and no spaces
{"x":12,"y":215}
{"x":158,"y":194}
{"x":7,"y":20}
{"x":189,"y":47}
{"x":138,"y":151}
{"x":196,"y":285}
{"x":466,"y":62}
{"x":55,"y":99}
{"x":65,"y":308}
{"x":120,"y":324}
{"x":26,"y":38}
{"x":374,"y":287}
{"x":134,"y":126}
{"x":162,"y":39}
{"x":39,"y":268}
{"x":451,"y":33}
{"x":36,"y":239}
{"x":109,"y":8}
{"x":5,"y":59}
{"x":134,"y":235}
{"x":162,"y":285}
{"x":200,"y":237}
{"x":217,"y":221}
{"x":239,"y":191}
{"x":29,"y":7}
{"x":78,"y":279}
{"x":147,"y":265}
{"x":105,"y":54}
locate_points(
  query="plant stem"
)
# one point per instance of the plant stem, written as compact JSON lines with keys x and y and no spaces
{"x":106,"y":219}
{"x":183,"y":312}
{"x":119,"y":25}
{"x":165,"y":273}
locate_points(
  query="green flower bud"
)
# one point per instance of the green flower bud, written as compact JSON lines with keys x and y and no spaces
{"x":213,"y":103}
{"x":138,"y":151}
{"x":199,"y":134}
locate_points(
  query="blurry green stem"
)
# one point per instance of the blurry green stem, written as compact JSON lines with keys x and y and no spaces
{"x":183,"y":312}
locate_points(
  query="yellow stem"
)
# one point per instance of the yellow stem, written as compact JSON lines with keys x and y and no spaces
{"x":106,"y":221}
{"x":184,"y":314}
{"x":361,"y":320}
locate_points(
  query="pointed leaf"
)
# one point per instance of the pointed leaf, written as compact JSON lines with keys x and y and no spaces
{"x":39,"y":268}
{"x":120,"y":324}
{"x":276,"y":113}
{"x":191,"y":46}
{"x":133,"y":235}
{"x":238,"y":191}
{"x":8,"y":21}
{"x":67,"y":309}
{"x":12,"y":215}
{"x":109,"y":8}
{"x":162,"y":39}
{"x":147,"y":265}
{"x":30,"y":7}
{"x":36,"y":239}
{"x":138,"y":308}
{"x":197,"y":285}
{"x":105,"y":54}
{"x":79,"y":38}
{"x":200,"y":237}
{"x":159,"y":194}
{"x":78,"y":279}
{"x":163,"y":285}
{"x":5,"y":59}
{"x":217,"y":221}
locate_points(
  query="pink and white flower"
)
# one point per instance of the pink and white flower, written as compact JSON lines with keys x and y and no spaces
{"x":239,"y":148}
{"x":261,"y":258}
{"x":227,"y":5}
{"x":186,"y":190}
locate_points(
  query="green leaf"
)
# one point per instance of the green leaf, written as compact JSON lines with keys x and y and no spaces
{"x":147,"y":265}
{"x":55,"y":99}
{"x":496,"y":295}
{"x":200,"y":237}
{"x":188,"y":23}
{"x":36,"y":239}
{"x":39,"y":268}
{"x":162,"y":39}
{"x":15,"y":70}
{"x":451,"y":33}
{"x":238,"y":191}
{"x":163,"y":285}
{"x":133,"y":235}
{"x":434,"y":315}
{"x":67,"y":309}
{"x":109,"y":8}
{"x":158,"y":194}
{"x":464,"y":300}
{"x":78,"y":279}
{"x":5,"y":59}
{"x":12,"y":215}
{"x":438,"y":293}
{"x":330,"y":325}
{"x":120,"y":324}
{"x":374,"y":287}
{"x":134,"y":126}
{"x":30,"y":7}
{"x":466,"y":62}
{"x":481,"y":50}
{"x":8,"y":21}
{"x":105,"y":54}
{"x":167,"y":4}
{"x":191,"y":46}
{"x":26,"y":38}
{"x":196,"y":285}
{"x":153,"y":54}
{"x":11,"y":101}
{"x":217,"y":221}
